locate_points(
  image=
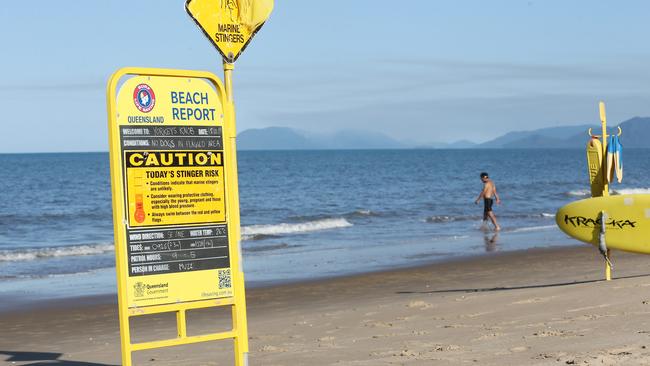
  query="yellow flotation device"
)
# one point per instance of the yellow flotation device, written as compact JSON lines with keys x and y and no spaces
{"x":595,"y":166}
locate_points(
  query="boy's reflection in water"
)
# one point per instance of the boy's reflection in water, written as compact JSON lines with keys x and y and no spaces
{"x":491,"y":242}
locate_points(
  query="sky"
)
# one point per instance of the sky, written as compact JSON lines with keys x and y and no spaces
{"x":419,"y":71}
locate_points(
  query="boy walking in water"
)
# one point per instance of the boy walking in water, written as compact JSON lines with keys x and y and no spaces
{"x":489,"y":191}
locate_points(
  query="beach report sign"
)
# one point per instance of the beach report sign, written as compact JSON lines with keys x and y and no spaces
{"x":170,"y":185}
{"x":175,"y":202}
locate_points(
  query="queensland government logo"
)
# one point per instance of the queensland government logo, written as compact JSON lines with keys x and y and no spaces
{"x":144,"y":98}
{"x":139,"y":288}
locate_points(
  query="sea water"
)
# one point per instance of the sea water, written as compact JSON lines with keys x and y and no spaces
{"x":305,"y":214}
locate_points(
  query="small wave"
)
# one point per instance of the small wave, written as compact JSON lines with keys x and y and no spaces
{"x":437,"y":219}
{"x":453,"y":237}
{"x":526,"y":215}
{"x":631,"y":191}
{"x":362,"y":213}
{"x":258,"y":237}
{"x":579,"y":193}
{"x":532,"y":228}
{"x":430,"y":255}
{"x":440,"y":219}
{"x":284,"y":228}
{"x":42,"y":253}
{"x":267,"y":248}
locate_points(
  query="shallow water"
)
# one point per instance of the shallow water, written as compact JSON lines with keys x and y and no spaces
{"x":305,"y":214}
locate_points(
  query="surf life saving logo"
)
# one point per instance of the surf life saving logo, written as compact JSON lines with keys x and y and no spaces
{"x":144,"y":98}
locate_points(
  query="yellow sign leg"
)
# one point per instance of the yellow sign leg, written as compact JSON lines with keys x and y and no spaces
{"x":125,"y":337}
{"x":240,"y":326}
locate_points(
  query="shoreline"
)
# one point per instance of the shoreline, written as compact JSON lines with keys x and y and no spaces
{"x":23,"y":304}
{"x":539,"y":306}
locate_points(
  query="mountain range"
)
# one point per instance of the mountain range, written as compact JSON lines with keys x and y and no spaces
{"x":634,"y":135}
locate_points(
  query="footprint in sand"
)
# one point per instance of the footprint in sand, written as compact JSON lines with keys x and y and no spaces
{"x":445,"y":347}
{"x":556,"y":333}
{"x":488,"y":336}
{"x":453,"y":326}
{"x":269,"y":348}
{"x":533,"y":300}
{"x":463,"y":298}
{"x":437,"y":347}
{"x":377,"y":324}
{"x":592,"y":316}
{"x":377,"y":336}
{"x":474,"y":315}
{"x":419,"y":305}
{"x":519,"y":349}
{"x":626,"y":351}
{"x":326,"y":342}
{"x":403,"y":318}
{"x":388,"y":353}
{"x":432,"y":353}
{"x":419,"y":332}
{"x":588,"y":308}
{"x":333,"y":314}
{"x":556,"y":356}
{"x":303,"y":323}
{"x":407,"y":353}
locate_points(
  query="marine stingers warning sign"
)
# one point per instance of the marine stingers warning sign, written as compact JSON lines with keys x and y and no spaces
{"x":170,"y":189}
{"x":229,"y":24}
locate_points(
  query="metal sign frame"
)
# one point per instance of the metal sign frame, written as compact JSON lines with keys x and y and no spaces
{"x":237,"y":302}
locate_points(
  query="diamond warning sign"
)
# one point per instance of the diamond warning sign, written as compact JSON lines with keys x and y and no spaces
{"x":229,"y":24}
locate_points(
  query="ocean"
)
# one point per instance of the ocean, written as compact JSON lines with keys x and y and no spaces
{"x":305,"y":214}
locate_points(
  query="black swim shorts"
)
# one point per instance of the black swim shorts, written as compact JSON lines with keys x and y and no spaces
{"x":487,"y":207}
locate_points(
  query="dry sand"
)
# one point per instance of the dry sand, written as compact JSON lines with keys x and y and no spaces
{"x":535,"y":307}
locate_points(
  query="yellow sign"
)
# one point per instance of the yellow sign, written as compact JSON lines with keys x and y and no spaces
{"x":229,"y":24}
{"x":175,"y":205}
{"x":170,"y":135}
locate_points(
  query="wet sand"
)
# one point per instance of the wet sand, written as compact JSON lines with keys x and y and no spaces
{"x":533,"y":307}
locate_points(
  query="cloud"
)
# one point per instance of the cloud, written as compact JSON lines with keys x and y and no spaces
{"x":332,"y":87}
{"x":479,"y":99}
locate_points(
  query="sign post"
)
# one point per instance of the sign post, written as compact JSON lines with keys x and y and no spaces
{"x":230,"y":25}
{"x":175,"y":202}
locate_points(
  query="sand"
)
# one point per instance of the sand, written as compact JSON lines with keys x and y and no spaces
{"x":534,"y":307}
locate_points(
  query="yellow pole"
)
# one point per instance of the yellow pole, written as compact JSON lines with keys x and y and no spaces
{"x":608,"y":268}
{"x":227,"y":76}
{"x":603,"y":121}
{"x":240,"y":323}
